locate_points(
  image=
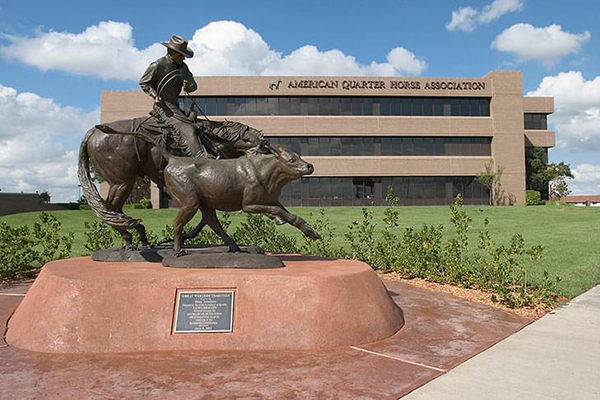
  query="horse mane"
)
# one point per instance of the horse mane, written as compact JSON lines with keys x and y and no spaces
{"x":228,"y":131}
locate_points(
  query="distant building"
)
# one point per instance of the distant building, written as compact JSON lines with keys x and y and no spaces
{"x":15,"y":203}
{"x":427,"y":138}
{"x":583,"y":200}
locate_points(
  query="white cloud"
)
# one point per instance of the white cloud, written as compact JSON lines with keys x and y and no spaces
{"x":577,"y":110}
{"x":587,"y":179}
{"x":467,"y":18}
{"x":34,"y":150}
{"x":108,"y":51}
{"x":105,"y":50}
{"x":546,"y":45}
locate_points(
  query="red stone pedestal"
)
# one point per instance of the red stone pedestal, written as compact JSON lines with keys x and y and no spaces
{"x":81,"y":306}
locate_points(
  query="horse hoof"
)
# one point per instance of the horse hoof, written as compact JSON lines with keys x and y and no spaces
{"x":180,"y":253}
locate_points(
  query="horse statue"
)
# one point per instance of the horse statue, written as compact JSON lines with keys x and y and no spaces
{"x":124,"y":150}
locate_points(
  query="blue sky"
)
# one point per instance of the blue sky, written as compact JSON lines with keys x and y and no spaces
{"x":56,"y":57}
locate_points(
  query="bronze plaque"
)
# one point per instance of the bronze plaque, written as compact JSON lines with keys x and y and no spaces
{"x":198,"y":311}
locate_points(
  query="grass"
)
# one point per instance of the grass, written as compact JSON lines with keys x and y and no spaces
{"x":570,"y":235}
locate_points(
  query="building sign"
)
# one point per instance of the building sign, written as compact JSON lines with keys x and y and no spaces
{"x":366,"y":84}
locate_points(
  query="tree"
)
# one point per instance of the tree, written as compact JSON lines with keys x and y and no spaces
{"x":560,"y":188}
{"x":45,"y":197}
{"x":491,"y":179}
{"x":540,"y":173}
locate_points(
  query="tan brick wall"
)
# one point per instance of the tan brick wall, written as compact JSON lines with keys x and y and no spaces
{"x":505,"y":124}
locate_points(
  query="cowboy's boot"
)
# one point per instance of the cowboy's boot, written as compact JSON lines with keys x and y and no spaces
{"x":191,"y":140}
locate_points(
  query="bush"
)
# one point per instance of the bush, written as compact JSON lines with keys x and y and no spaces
{"x":24,"y":250}
{"x":99,"y":236}
{"x":533,"y":198}
{"x":326,"y":246}
{"x":84,"y":207}
{"x":146,"y":203}
{"x":500,"y":269}
{"x":260,"y":231}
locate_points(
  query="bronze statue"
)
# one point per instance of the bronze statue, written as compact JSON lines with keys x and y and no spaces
{"x":251,"y":183}
{"x":123,"y":150}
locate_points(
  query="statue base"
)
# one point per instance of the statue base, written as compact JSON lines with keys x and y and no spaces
{"x":198,"y":256}
{"x":82,"y":306}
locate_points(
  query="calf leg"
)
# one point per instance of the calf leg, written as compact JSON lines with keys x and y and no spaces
{"x":285,"y":215}
{"x":185,"y":214}
{"x":210,"y":217}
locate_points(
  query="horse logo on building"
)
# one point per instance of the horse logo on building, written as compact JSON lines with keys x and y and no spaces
{"x":274,"y":85}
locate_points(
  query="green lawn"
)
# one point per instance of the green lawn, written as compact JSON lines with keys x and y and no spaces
{"x":570,"y":235}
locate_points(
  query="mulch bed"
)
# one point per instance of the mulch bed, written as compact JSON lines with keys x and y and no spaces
{"x":479,"y":296}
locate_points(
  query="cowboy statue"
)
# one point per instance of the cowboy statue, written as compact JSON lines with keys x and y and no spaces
{"x":163,"y":81}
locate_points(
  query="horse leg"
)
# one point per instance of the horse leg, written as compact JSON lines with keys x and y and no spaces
{"x":117,"y":195}
{"x":185,"y":214}
{"x":141,"y":230}
{"x":194,"y":232}
{"x":210,"y":217}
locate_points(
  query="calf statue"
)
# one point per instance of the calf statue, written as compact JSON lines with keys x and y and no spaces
{"x":251,"y":183}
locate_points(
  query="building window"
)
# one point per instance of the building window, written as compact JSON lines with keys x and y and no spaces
{"x":385,"y":145}
{"x":536,"y":121}
{"x":364,"y":191}
{"x":329,"y":105}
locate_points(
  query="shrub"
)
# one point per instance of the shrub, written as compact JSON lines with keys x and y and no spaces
{"x":260,"y":231}
{"x":361,"y":238}
{"x":421,"y":252}
{"x":533,"y":198}
{"x":130,"y":206}
{"x":99,"y":236}
{"x":500,"y":269}
{"x":24,"y":250}
{"x":84,"y":207}
{"x":146,"y":203}
{"x":326,"y":246}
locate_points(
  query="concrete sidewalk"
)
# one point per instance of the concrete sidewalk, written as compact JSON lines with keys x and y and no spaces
{"x":557,"y":357}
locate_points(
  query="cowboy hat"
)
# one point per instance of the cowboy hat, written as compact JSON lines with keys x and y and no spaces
{"x":179,"y":45}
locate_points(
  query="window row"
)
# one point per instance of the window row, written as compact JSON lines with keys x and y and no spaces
{"x":536,"y":121}
{"x":359,"y":191}
{"x":407,"y":106}
{"x":385,"y":146}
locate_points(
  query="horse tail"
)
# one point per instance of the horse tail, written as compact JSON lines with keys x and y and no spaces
{"x":115,"y":219}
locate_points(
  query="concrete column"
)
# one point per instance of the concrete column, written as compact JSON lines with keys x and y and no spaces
{"x":104,"y":190}
{"x":154,"y":195}
{"x":508,"y":143}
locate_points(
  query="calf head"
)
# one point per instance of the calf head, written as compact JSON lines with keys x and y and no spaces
{"x":291,"y":163}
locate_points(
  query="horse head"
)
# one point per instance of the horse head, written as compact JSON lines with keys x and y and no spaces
{"x":234,"y":139}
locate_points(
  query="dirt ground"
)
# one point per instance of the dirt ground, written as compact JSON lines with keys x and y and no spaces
{"x":474,"y":295}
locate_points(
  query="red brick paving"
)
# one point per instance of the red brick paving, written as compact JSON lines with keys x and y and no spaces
{"x":441,"y":331}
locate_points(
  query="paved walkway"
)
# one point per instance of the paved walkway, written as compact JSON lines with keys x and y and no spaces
{"x":441,"y":332}
{"x":557,"y":357}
